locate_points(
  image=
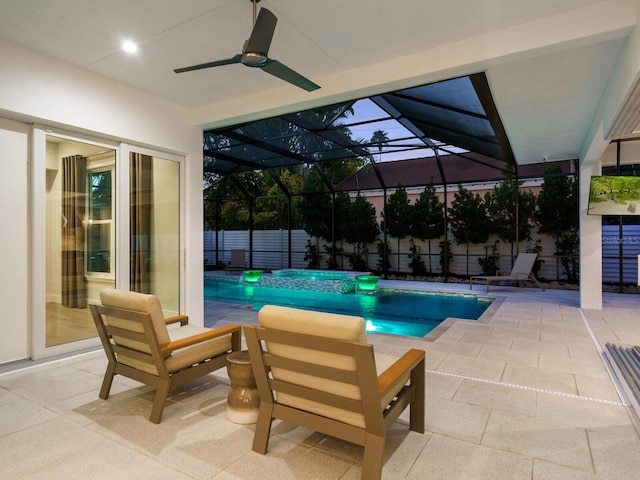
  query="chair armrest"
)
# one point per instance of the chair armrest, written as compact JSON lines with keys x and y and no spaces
{"x":167,"y":348}
{"x":391,"y":375}
{"x":503,"y":272}
{"x":183,"y":319}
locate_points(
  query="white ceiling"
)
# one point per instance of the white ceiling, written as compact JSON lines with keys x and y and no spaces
{"x":548,"y":61}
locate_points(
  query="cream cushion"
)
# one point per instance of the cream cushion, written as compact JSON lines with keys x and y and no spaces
{"x":174,"y":361}
{"x":328,"y":325}
{"x":193,"y":354}
{"x":139,"y":302}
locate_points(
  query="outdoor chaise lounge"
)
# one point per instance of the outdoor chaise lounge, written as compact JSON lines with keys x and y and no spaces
{"x":237,"y":263}
{"x":521,"y":271}
{"x":317,"y":370}
{"x":139,"y":345}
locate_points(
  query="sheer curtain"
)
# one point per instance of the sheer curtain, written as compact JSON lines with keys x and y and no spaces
{"x":141,"y":198}
{"x":74,"y":190}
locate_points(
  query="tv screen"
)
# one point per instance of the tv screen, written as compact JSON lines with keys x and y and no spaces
{"x":614,"y":195}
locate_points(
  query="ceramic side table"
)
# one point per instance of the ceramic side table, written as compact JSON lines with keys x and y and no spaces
{"x":243,"y":401}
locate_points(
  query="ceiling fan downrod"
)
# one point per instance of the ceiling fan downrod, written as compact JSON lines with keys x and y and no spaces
{"x":255,"y":9}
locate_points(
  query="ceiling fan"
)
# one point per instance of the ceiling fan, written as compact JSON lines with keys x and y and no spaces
{"x":255,"y":53}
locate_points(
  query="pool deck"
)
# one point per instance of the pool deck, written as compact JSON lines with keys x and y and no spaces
{"x":524,"y":393}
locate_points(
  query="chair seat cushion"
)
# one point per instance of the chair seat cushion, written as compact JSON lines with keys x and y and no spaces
{"x":184,"y":357}
{"x":193,"y":354}
{"x":383,"y":362}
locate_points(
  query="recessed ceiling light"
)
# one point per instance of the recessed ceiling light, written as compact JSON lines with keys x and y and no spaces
{"x":130,"y":46}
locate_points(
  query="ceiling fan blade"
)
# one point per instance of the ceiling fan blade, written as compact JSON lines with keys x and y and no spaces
{"x":283,"y":72}
{"x":262,"y":33}
{"x":217,"y":63}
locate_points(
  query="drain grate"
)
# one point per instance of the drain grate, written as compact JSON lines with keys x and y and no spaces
{"x":628,"y":361}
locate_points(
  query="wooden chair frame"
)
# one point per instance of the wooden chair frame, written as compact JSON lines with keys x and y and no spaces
{"x":165,"y":380}
{"x":372,"y":387}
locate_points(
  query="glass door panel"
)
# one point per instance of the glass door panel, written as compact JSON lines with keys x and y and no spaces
{"x":80,"y":235}
{"x":155,"y":228}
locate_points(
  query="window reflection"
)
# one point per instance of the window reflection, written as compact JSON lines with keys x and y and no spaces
{"x":80,"y":236}
{"x":155,"y":228}
{"x":99,"y":223}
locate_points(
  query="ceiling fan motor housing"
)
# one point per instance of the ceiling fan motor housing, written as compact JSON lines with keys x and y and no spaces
{"x":251,"y":59}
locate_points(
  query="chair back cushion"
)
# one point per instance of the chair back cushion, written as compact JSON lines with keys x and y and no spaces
{"x":339,"y":327}
{"x":139,"y":302}
{"x":328,"y":325}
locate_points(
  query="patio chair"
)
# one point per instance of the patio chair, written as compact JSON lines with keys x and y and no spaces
{"x":139,"y":345}
{"x":317,"y":370}
{"x":521,"y":271}
{"x":237,"y":263}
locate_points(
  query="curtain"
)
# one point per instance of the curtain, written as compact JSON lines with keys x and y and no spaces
{"x":74,"y":191}
{"x":141,"y":200}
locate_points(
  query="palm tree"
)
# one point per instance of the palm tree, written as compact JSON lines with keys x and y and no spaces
{"x":379,"y":138}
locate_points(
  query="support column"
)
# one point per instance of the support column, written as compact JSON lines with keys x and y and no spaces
{"x":590,"y":245}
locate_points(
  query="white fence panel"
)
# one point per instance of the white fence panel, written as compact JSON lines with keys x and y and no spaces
{"x":612,"y":240}
{"x":270,"y":247}
{"x":270,"y":251}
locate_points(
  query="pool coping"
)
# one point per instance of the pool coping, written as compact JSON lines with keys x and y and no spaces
{"x":486,"y":317}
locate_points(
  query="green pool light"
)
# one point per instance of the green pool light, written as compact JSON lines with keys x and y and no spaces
{"x":367,"y":282}
{"x":252,"y":276}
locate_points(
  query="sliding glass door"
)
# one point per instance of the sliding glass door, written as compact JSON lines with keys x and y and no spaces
{"x":102,"y":216}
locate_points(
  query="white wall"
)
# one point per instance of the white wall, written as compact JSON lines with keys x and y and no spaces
{"x":38,"y":89}
{"x":13,"y":241}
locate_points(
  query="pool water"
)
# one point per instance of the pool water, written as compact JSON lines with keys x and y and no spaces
{"x":398,"y":312}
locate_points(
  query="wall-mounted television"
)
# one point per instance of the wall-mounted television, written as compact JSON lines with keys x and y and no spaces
{"x":614,"y":195}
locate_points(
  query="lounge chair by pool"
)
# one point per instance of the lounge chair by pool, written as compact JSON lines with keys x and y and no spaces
{"x":521,"y":271}
{"x":237,"y":262}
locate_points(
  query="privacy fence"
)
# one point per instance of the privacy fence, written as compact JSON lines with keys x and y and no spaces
{"x":270,"y":251}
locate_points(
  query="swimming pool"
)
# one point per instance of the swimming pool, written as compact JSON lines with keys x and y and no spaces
{"x":398,"y":312}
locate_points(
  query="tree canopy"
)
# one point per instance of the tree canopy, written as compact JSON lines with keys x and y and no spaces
{"x":507,"y":204}
{"x":427,"y":220}
{"x":469,"y":221}
{"x":468,"y":217}
{"x":557,"y":203}
{"x":396,"y":216}
{"x":362,"y":227}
